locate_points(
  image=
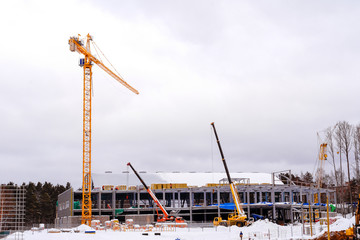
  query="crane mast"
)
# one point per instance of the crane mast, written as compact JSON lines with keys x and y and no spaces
{"x":322,"y":158}
{"x":76,"y":44}
{"x":86,"y":186}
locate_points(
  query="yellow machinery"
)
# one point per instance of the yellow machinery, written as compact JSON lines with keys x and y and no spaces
{"x":76,"y":44}
{"x":322,"y":158}
{"x":353,"y":233}
{"x":319,"y":174}
{"x":239,"y":217}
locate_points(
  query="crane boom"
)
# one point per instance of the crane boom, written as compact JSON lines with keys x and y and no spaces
{"x":166,"y":215}
{"x":80,"y":49}
{"x":77,"y":45}
{"x":234,"y":192}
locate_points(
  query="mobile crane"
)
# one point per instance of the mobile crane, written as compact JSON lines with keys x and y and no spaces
{"x":77,"y":45}
{"x":165,"y":217}
{"x":239,"y":217}
{"x":353,"y":233}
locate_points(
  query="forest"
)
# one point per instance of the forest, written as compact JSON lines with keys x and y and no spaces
{"x":40,"y":201}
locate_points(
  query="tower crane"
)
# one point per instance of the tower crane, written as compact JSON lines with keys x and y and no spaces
{"x":319,"y":175}
{"x":322,"y":158}
{"x":320,"y":170}
{"x":239,"y":218}
{"x":77,"y":45}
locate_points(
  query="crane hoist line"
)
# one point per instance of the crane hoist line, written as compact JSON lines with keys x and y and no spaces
{"x":77,"y":45}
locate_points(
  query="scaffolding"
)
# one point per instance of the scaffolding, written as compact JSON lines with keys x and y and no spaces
{"x":12,"y":209}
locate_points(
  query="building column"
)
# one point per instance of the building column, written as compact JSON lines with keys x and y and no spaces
{"x":218,"y":200}
{"x":273,"y":202}
{"x":173,"y":200}
{"x":205,"y":199}
{"x":212,"y":197}
{"x":113,"y":205}
{"x":138,"y":199}
{"x":191,"y":204}
{"x":99,"y":202}
{"x":179,"y":200}
{"x":248,"y":202}
{"x":164,"y":200}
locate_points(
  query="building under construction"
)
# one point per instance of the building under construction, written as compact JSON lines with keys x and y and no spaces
{"x":197,"y":197}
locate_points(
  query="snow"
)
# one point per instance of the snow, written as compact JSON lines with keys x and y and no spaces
{"x":342,"y":224}
{"x":262,"y":229}
{"x":83,"y":228}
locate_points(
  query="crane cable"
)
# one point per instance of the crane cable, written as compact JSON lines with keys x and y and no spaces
{"x":96,"y":46}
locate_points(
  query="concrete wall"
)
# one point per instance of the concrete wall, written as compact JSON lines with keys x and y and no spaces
{"x":65,"y":204}
{"x":74,"y":221}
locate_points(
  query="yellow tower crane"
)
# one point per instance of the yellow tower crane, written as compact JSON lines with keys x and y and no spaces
{"x":76,"y":44}
{"x":322,"y":158}
{"x":319,"y":174}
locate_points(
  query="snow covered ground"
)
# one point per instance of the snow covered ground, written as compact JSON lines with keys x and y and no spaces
{"x":262,"y":229}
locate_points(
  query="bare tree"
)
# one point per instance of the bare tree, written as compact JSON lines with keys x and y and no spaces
{"x":357,"y":153}
{"x":339,"y":172}
{"x":357,"y":150}
{"x":344,"y":137}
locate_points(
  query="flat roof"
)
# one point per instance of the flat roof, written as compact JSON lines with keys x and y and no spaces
{"x":190,"y":178}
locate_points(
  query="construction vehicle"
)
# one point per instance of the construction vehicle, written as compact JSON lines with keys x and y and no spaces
{"x":353,"y":233}
{"x":161,"y":218}
{"x":239,"y":217}
{"x":77,"y":45}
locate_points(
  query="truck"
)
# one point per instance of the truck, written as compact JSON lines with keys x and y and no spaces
{"x":239,"y":217}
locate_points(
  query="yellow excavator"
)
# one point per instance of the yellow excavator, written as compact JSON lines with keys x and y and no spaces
{"x":353,"y":233}
{"x":239,"y":217}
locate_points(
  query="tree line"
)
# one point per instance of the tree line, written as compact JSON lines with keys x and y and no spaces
{"x":343,"y":142}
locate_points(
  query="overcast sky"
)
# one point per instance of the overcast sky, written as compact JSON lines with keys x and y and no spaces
{"x":270,"y":74}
